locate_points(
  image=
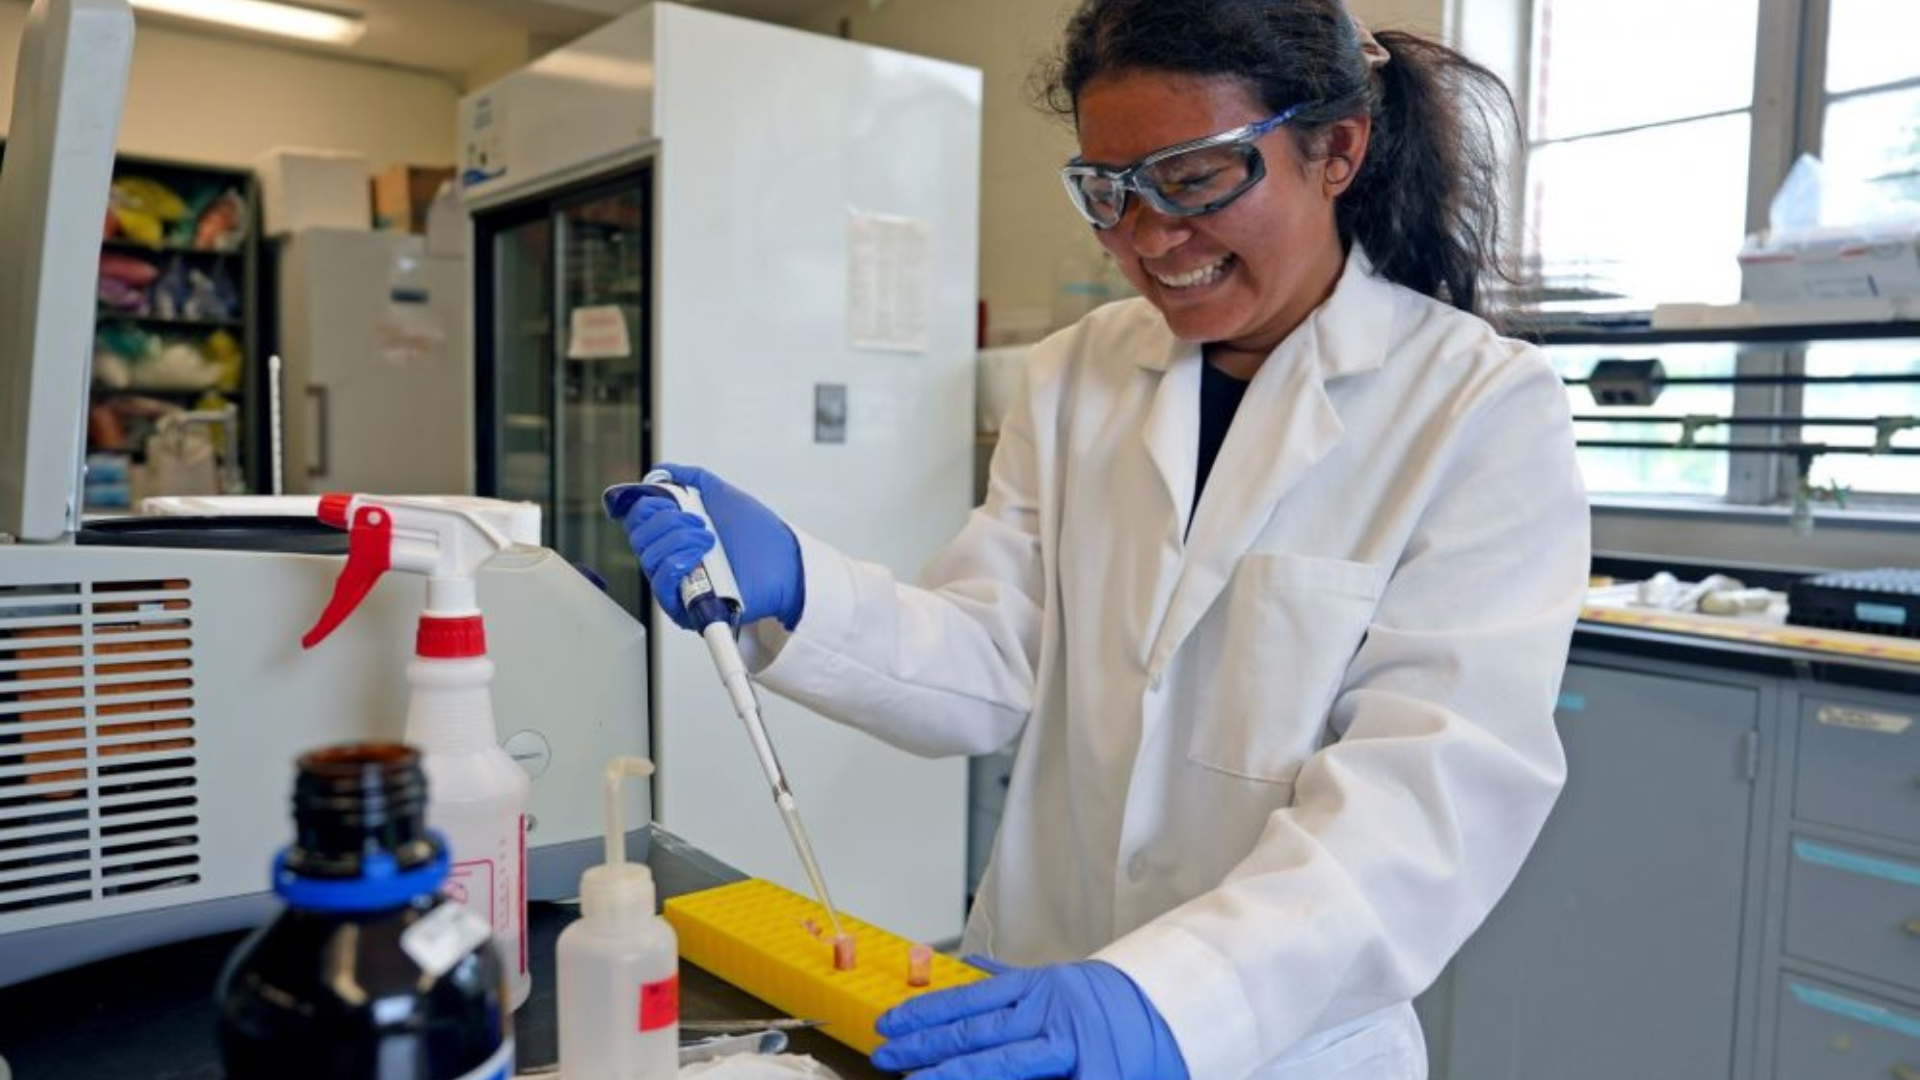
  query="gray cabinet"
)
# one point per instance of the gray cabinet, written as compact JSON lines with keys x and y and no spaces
{"x":1617,"y":951}
{"x":1729,"y":888}
{"x":1843,"y":963}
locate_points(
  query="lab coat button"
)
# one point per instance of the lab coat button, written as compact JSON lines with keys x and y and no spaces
{"x":1136,"y":867}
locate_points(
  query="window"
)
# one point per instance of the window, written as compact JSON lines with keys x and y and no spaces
{"x":1870,"y":124}
{"x":1658,"y":131}
{"x":1637,"y":171}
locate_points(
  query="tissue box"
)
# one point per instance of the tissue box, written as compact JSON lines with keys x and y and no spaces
{"x":306,"y":189}
{"x":1826,"y":265}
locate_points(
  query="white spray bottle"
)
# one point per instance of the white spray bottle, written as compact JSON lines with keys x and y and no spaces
{"x":477,"y":795}
{"x":619,"y":964}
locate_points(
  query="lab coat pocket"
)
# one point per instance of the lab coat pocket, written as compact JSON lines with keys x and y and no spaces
{"x":1287,"y":627}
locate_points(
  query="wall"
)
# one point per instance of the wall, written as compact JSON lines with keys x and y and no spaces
{"x":223,"y":101}
{"x":1027,"y":230}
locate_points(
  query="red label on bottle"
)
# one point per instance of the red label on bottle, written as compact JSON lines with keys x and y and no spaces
{"x":522,"y":898}
{"x":660,"y":1004}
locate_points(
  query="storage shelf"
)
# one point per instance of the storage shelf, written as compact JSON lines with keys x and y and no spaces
{"x":1730,"y":334}
{"x":157,"y":392}
{"x":134,"y":247}
{"x":158,"y":320}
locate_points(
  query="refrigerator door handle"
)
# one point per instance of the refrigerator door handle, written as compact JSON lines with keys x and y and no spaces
{"x":322,"y":422}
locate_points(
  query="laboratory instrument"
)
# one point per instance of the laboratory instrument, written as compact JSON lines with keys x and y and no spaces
{"x":619,"y":963}
{"x":806,"y":329}
{"x":479,"y":795}
{"x":369,"y":973}
{"x":712,"y":601}
{"x":150,"y":675}
{"x":1880,"y":601}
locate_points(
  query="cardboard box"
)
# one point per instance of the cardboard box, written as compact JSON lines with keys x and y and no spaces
{"x":302,"y":188}
{"x":1829,"y":265}
{"x":403,"y":193}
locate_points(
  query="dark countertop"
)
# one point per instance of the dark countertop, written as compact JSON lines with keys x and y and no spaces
{"x":150,"y":1014}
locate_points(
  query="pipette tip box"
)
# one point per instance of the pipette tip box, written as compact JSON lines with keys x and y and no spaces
{"x":757,"y":936}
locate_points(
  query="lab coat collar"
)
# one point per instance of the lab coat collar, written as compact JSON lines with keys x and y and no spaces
{"x":1284,"y":425}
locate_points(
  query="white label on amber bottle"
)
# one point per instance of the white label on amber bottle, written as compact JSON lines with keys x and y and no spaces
{"x":442,"y":937}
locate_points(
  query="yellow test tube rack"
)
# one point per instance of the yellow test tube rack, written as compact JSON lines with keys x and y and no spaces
{"x":755,"y":935}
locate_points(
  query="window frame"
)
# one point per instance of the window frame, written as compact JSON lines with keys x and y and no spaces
{"x":1787,"y":114}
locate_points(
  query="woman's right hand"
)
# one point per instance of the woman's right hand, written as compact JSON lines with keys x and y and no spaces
{"x":670,"y":542}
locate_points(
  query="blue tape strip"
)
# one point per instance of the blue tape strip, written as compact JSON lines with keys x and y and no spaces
{"x":1571,"y":702}
{"x":1826,"y":1001}
{"x":1821,"y":855}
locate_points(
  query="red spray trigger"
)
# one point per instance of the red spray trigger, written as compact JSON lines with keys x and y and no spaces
{"x":369,"y":554}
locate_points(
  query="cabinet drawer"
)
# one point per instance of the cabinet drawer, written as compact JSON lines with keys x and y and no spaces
{"x":1859,"y":767}
{"x":1829,"y":1034}
{"x":1856,"y":910}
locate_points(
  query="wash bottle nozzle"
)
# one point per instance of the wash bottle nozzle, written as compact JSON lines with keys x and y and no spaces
{"x":617,"y":891}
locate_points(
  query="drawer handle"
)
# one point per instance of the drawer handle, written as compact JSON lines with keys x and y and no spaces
{"x":1853,"y":863}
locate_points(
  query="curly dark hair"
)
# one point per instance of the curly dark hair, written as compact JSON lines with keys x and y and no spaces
{"x":1426,"y":202}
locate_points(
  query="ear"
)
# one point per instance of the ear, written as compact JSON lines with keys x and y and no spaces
{"x":1346,"y":148}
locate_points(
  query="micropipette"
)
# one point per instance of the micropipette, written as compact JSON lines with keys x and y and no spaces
{"x":712,"y":598}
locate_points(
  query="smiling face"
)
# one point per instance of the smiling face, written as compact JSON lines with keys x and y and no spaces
{"x":1242,"y":277}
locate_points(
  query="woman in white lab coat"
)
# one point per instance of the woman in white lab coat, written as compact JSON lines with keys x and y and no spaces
{"x":1273,"y":584}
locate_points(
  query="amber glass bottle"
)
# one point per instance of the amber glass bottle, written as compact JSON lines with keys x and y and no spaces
{"x":369,"y":974}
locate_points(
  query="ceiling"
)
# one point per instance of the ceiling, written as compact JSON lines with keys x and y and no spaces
{"x":465,"y":39}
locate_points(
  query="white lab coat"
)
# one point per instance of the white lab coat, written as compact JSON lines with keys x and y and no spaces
{"x":1275,"y":763}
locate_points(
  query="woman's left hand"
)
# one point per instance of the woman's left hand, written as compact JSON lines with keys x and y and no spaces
{"x":1085,"y":1020}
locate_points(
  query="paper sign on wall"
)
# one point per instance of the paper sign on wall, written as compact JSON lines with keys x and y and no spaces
{"x":888,"y":282}
{"x":598,"y":333}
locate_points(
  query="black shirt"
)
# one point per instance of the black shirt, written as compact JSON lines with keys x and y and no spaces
{"x":1220,"y":395}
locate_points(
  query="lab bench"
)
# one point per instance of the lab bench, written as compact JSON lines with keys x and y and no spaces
{"x":151,"y":1014}
{"x":1729,"y":886}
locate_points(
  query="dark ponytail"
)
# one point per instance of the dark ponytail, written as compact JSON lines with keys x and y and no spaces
{"x":1426,"y":202}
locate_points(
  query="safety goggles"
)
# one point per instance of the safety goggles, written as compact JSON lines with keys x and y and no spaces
{"x":1184,"y":180}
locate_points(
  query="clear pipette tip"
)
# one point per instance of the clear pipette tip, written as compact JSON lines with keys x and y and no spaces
{"x":790,"y":813}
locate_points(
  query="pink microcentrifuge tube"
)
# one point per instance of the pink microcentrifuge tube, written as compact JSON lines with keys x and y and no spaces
{"x":919,"y":966}
{"x":843,"y":953}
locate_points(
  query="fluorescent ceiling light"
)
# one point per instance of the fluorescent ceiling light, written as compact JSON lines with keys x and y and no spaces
{"x":266,"y":17}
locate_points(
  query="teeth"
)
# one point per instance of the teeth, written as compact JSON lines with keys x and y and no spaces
{"x":1203,"y":276}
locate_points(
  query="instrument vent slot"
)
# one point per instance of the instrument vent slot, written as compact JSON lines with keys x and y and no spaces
{"x":99,"y":778}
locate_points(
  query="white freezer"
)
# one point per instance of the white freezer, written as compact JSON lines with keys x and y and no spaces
{"x":814,"y":224}
{"x":378,"y":375}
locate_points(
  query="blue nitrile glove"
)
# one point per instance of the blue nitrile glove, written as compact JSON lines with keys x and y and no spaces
{"x":1085,"y":1021}
{"x":670,"y":542}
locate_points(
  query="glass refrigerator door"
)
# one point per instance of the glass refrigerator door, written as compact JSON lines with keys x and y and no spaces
{"x":521,"y":340}
{"x":563,"y":365}
{"x":601,"y":250}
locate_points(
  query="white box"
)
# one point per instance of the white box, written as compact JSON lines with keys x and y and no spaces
{"x":1830,"y":265}
{"x":301,"y":188}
